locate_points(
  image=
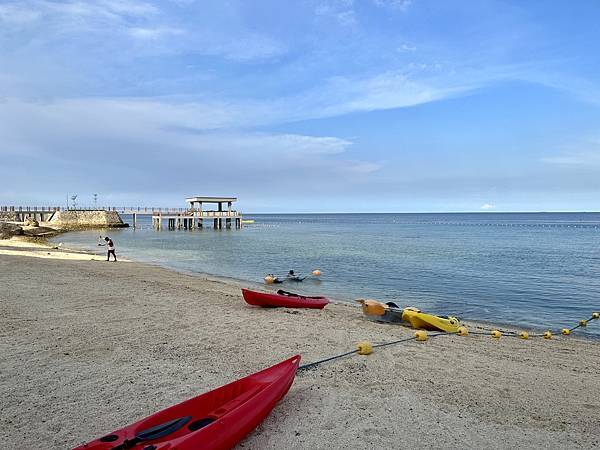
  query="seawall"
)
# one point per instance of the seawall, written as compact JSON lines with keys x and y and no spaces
{"x":75,"y":219}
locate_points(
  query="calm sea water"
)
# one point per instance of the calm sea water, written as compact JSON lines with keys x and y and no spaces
{"x":528,"y":269}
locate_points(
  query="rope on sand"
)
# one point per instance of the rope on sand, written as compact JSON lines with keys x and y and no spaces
{"x":366,"y":348}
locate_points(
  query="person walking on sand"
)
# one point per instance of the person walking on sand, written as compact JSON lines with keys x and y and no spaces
{"x":111,"y":248}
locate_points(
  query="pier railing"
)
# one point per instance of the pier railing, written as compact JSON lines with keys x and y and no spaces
{"x":119,"y":209}
{"x":44,"y":211}
{"x":30,"y":208}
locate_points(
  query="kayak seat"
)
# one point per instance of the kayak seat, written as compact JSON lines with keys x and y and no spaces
{"x":156,"y":432}
{"x":291,"y":294}
{"x":286,"y":293}
{"x":162,"y":430}
{"x":200,"y":423}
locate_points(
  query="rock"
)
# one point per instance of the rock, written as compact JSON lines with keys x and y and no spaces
{"x":8,"y":230}
{"x":40,"y":231}
{"x":31,"y":222}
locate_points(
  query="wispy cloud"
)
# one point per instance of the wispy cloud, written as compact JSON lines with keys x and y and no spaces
{"x":340,"y":12}
{"x":154,"y":33}
{"x":16,"y":14}
{"x":84,"y":11}
{"x":401,"y":5}
{"x":153,"y":84}
{"x":407,"y":48}
{"x":574,"y":159}
{"x":487,"y":206}
{"x":137,"y":138}
{"x":581,"y":152}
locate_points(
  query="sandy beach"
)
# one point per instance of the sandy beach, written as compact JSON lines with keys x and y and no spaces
{"x":90,"y":346}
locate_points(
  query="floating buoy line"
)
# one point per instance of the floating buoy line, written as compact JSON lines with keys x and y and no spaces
{"x":366,"y":348}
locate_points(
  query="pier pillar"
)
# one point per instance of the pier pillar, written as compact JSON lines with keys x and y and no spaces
{"x":215,"y":225}
{"x":228,"y":223}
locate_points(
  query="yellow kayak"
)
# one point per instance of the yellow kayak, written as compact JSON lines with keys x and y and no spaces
{"x":421,"y":320}
{"x":382,"y":312}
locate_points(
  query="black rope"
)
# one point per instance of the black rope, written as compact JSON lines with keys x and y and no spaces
{"x":385,"y":344}
{"x":412,"y":338}
{"x":516,"y":334}
{"x":316,"y":363}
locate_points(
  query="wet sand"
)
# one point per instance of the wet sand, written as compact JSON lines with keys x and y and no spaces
{"x":89,"y":346}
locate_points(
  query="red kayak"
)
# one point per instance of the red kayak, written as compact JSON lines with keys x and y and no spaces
{"x":283,"y":299}
{"x":215,"y":420}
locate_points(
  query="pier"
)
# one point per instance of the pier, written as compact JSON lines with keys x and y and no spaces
{"x":195,"y":215}
{"x":20,"y":213}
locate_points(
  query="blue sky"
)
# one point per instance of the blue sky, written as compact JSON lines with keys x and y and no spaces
{"x":324,"y":106}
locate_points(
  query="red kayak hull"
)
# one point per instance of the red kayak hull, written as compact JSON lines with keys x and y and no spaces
{"x":215,"y":420}
{"x":275,"y":300}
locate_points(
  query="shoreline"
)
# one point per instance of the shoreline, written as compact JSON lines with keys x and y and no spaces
{"x":241,"y":282}
{"x":90,"y":347}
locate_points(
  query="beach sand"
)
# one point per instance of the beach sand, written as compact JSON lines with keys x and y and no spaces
{"x":89,"y":346}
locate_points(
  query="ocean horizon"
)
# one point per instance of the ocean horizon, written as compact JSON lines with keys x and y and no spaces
{"x":537,"y":270}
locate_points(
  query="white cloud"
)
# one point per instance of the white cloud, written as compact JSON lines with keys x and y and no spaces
{"x":346,"y":18}
{"x":341,"y":12}
{"x":383,"y":91}
{"x":154,"y":33}
{"x":406,"y":48}
{"x":111,"y":9}
{"x":487,"y":206}
{"x":401,"y":5}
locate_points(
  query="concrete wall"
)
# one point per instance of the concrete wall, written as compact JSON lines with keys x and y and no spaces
{"x":69,"y":220}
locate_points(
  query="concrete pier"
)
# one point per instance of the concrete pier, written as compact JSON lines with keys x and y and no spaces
{"x":194,"y":216}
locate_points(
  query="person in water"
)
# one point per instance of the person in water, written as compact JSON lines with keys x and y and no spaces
{"x":110,"y":246}
{"x":291,"y":274}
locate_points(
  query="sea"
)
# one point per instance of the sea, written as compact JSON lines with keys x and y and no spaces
{"x":531,"y":270}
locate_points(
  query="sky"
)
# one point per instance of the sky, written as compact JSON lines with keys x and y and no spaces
{"x":302,"y":106}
